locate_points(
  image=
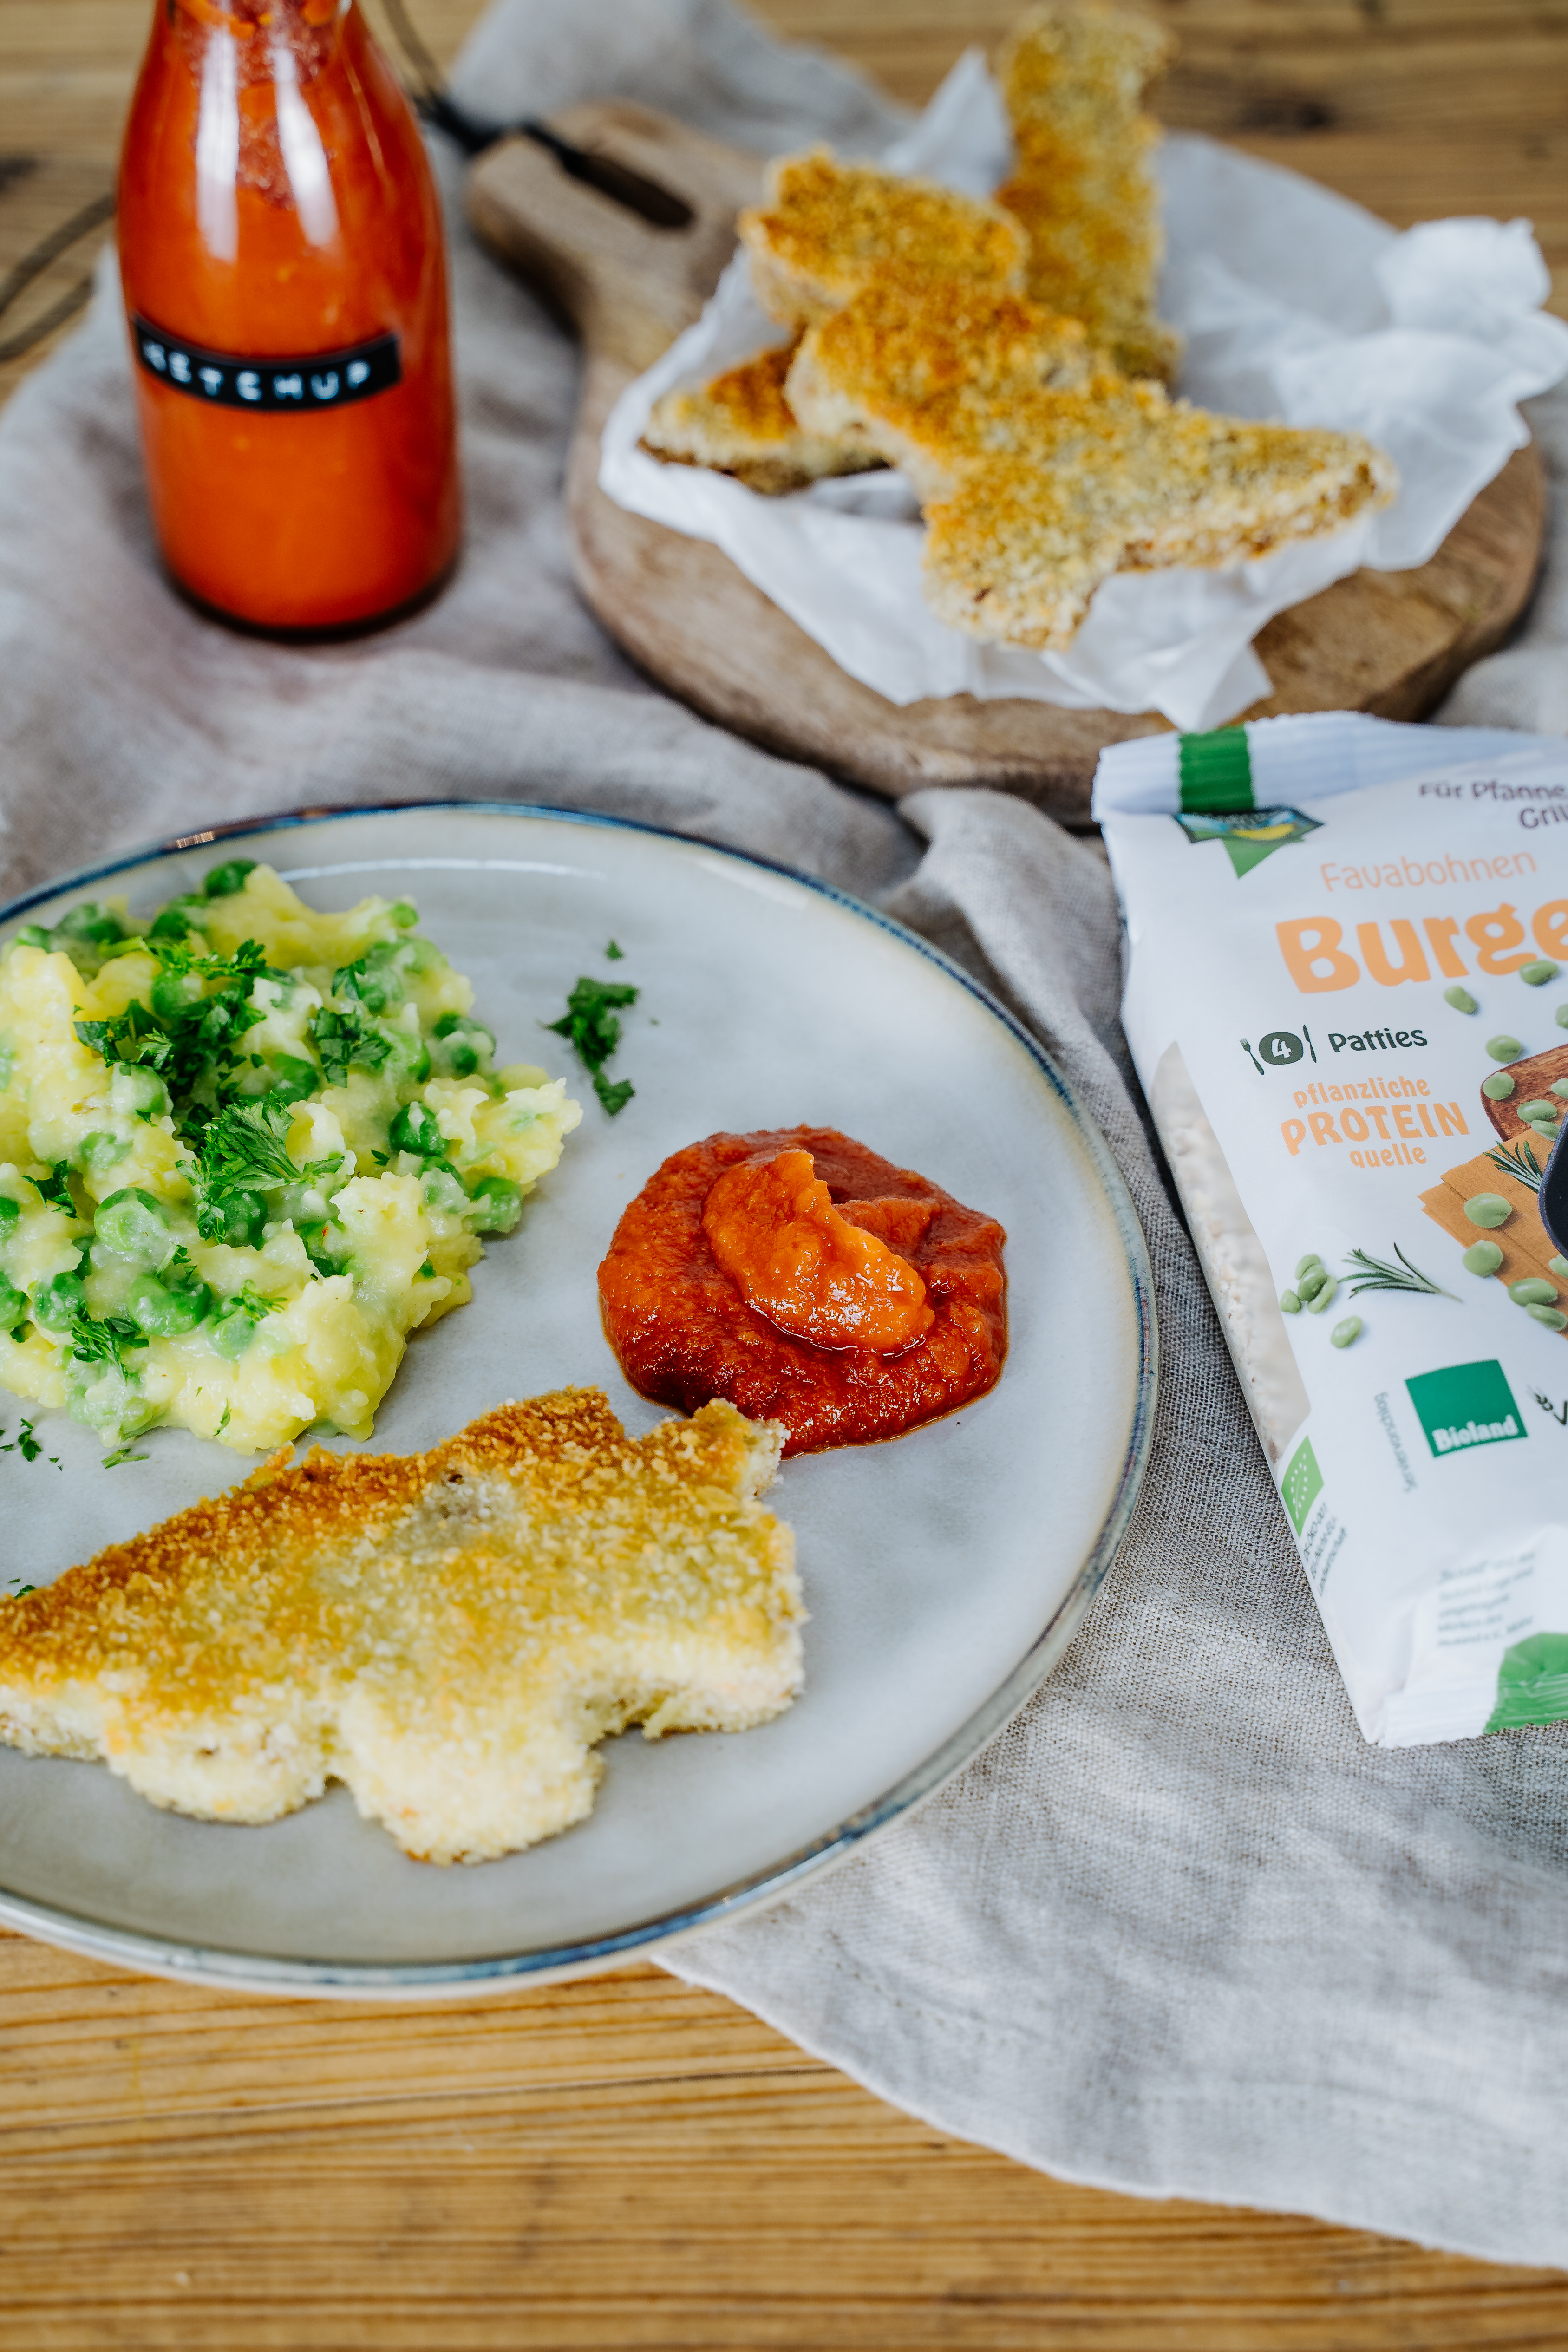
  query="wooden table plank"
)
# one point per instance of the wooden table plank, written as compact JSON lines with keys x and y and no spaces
{"x":624,"y":2162}
{"x":629,"y":2162}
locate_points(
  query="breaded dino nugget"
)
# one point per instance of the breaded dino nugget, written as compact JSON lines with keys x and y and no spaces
{"x":1042,"y":470}
{"x":825,"y":229}
{"x":448,"y":1632}
{"x":740,"y":423}
{"x":1073,"y":74}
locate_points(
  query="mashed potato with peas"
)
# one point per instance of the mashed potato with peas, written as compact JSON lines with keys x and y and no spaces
{"x":244,"y":1151}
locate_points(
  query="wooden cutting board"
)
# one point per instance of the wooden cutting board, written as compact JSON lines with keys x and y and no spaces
{"x":1386,"y":642}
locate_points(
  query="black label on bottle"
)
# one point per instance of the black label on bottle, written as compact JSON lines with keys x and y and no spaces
{"x":316,"y":380}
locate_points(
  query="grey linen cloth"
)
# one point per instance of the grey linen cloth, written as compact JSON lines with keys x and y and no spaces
{"x":1177,"y":1930}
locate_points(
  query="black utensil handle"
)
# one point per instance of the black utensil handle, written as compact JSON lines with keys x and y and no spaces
{"x":660,"y":206}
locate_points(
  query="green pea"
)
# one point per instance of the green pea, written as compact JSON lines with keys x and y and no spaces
{"x":1559,"y":1086}
{"x":1553,"y":1317}
{"x":13,"y":1305}
{"x":163,"y":1312}
{"x":296,"y":1079}
{"x":496,"y":1206}
{"x":1534,"y":1291}
{"x":1309,"y":1284}
{"x":140,"y":1092}
{"x":1485,"y":1257}
{"x":1316,"y":1305}
{"x":462,"y":1045}
{"x":132,"y":1223}
{"x":1305,"y":1264}
{"x":238,"y":1221}
{"x":59,"y":1301}
{"x":233,"y":1329}
{"x":405,"y":914}
{"x":408,"y":1060}
{"x":443,"y":1192}
{"x":417,"y":1128}
{"x":1345,"y":1334}
{"x":1538,"y":1108}
{"x":1487,"y":1208}
{"x":1461,"y":999}
{"x":1504,"y":1049}
{"x":1536,"y":975}
{"x":1560,"y":1016}
{"x":1558,"y":1266}
{"x":174,"y":992}
{"x":1497,"y":1089}
{"x":1290,"y":1302}
{"x":102,"y":1151}
{"x":226,"y":881}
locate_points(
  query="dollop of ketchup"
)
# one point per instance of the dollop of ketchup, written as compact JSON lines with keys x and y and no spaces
{"x":811,"y":1282}
{"x":791,"y":1254}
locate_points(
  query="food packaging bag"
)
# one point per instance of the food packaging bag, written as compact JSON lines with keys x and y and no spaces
{"x":1347,"y":999}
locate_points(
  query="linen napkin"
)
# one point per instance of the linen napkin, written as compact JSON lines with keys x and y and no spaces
{"x":1177,"y":1930}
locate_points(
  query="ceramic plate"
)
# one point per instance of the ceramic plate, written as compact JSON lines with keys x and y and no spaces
{"x":944,"y":1572}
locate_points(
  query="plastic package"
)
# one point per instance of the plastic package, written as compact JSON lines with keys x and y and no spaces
{"x":1347,"y":1000}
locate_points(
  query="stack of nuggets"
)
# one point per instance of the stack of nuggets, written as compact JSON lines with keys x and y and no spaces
{"x":1006,"y":356}
{"x":1042,"y":470}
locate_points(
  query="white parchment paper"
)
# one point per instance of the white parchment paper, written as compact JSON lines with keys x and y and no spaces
{"x":1296,"y":304}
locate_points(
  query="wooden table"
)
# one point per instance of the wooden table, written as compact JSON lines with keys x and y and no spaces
{"x":628,"y":2163}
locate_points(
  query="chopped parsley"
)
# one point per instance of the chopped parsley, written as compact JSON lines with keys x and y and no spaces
{"x":343,"y":1039}
{"x":103,"y":1339}
{"x":242,"y":1153}
{"x":123,"y":1454}
{"x":28,"y":1447}
{"x":55,"y":1189}
{"x":615,"y":954}
{"x":191,"y":1033}
{"x":595,"y":1030}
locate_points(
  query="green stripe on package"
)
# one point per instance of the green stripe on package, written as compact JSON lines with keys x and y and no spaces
{"x":1215,"y":772}
{"x":1347,"y":999}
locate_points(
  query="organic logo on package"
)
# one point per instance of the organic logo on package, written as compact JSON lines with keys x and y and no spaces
{"x":1301,"y":1485}
{"x":1252,"y":834}
{"x":1466,"y":1405}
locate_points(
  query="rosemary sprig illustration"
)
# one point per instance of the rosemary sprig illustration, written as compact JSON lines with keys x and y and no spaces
{"x":1376,"y":1274}
{"x":1517,"y":1161}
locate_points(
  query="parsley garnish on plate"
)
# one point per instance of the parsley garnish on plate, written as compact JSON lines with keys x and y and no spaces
{"x":56,"y":1188}
{"x":343,"y":1038}
{"x":591,"y":1025}
{"x":192,"y":1039}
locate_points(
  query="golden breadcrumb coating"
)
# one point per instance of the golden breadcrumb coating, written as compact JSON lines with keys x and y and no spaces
{"x":825,"y":229}
{"x":1073,"y":74}
{"x":740,"y":423}
{"x":448,"y":1632}
{"x":1042,"y":470}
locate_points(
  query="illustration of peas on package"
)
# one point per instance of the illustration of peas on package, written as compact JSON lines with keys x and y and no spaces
{"x":1347,"y":1000}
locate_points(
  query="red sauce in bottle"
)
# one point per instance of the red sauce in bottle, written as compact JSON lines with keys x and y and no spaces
{"x":281,"y":253}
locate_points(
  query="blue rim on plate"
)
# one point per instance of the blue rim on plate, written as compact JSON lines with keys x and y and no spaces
{"x":222,"y":1968}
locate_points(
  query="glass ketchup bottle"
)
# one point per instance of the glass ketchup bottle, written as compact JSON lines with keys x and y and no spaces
{"x":285,"y":279}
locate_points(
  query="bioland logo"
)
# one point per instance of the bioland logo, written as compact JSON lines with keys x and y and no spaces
{"x":1463,"y":1406}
